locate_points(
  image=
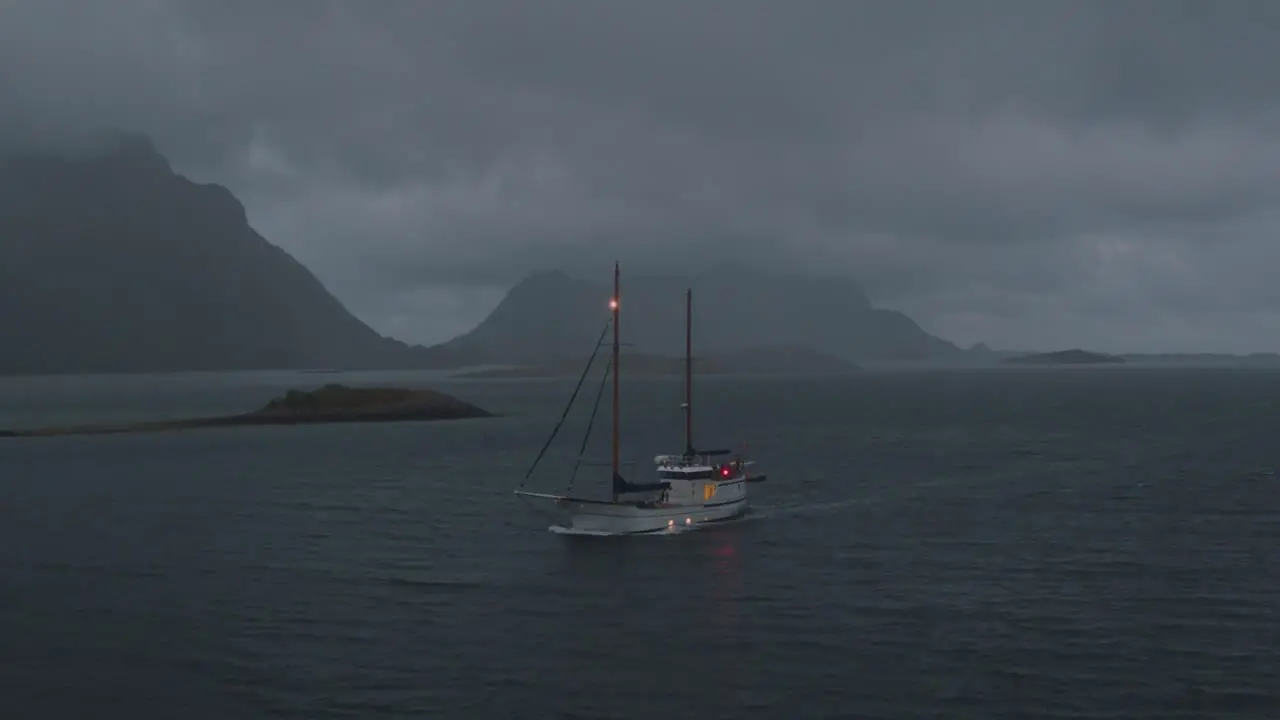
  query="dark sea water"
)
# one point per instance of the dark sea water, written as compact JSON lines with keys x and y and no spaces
{"x":1085,"y":543}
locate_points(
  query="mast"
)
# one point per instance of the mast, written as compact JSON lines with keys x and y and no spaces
{"x":613,"y":305}
{"x":688,"y":372}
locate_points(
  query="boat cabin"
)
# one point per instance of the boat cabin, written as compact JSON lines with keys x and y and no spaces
{"x":701,"y":466}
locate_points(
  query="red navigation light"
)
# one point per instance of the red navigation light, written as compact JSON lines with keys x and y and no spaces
{"x":724,"y":471}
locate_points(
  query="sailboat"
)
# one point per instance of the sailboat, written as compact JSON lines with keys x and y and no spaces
{"x":693,"y":488}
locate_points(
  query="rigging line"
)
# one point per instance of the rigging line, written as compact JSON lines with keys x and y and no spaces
{"x":568,"y":406}
{"x":590,"y":423}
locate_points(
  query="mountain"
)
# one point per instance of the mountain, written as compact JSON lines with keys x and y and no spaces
{"x":1065,"y":357}
{"x":1258,"y":359}
{"x":111,"y":262}
{"x":550,"y":318}
{"x":980,"y":354}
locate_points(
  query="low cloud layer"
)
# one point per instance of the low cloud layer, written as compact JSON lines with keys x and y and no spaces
{"x":1037,"y":175}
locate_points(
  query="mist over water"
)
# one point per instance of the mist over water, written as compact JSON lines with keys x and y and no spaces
{"x":1051,"y":543}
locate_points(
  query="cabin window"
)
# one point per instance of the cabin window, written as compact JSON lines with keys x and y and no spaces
{"x":677,"y":475}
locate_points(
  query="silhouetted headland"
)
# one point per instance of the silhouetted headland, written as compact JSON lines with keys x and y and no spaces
{"x":1065,"y":357}
{"x":112,"y":262}
{"x":329,"y":404}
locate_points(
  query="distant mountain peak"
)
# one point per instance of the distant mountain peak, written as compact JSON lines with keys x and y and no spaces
{"x":549,"y":314}
{"x":126,"y":143}
{"x":540,"y":279}
{"x":135,"y":152}
{"x":113,"y":151}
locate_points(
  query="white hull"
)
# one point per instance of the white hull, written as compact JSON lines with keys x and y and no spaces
{"x":628,"y":519}
{"x":686,"y":504}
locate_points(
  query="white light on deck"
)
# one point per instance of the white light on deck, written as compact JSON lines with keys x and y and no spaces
{"x":671,"y":523}
{"x":687,"y":521}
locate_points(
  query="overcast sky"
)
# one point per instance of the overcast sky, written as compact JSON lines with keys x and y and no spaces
{"x":1029,"y":174}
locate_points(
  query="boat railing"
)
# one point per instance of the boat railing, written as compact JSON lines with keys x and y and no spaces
{"x":684,"y":461}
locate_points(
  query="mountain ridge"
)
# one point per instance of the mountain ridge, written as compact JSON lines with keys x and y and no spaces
{"x":112,"y":262}
{"x":549,"y":313}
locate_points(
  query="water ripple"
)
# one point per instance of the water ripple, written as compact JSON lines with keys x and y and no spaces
{"x":1084,"y":545}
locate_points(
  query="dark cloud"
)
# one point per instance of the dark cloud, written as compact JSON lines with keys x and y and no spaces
{"x":1030,"y":174}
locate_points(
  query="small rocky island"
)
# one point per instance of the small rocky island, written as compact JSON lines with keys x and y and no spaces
{"x":1065,"y":357}
{"x":329,"y":404}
